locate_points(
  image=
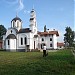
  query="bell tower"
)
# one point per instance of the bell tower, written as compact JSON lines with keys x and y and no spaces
{"x":33,"y":23}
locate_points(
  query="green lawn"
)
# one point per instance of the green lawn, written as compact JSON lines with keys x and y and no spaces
{"x":32,"y":63}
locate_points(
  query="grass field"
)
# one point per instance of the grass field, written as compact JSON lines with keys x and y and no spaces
{"x":32,"y":63}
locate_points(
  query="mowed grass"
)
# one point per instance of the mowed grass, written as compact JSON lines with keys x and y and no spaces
{"x":33,"y":63}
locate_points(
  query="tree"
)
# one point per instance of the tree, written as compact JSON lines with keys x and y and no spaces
{"x":2,"y":31}
{"x":45,"y":28}
{"x":69,"y":37}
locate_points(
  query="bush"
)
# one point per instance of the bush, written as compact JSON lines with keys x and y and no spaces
{"x":2,"y":50}
{"x":70,"y":48}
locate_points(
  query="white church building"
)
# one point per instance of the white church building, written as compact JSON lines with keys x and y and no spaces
{"x":24,"y":39}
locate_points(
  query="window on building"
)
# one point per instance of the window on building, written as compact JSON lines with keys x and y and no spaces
{"x":42,"y":39}
{"x":13,"y":24}
{"x":17,"y":24}
{"x":50,"y":45}
{"x":11,"y":31}
{"x":25,"y":40}
{"x":50,"y":39}
{"x":21,"y":41}
{"x":8,"y":42}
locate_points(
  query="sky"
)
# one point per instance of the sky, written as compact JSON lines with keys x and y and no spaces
{"x":55,"y":14}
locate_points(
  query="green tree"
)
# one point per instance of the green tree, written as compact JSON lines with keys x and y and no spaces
{"x":2,"y":31}
{"x":45,"y":28}
{"x":69,"y":37}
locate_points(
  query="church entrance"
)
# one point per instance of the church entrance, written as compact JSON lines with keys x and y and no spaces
{"x":11,"y":42}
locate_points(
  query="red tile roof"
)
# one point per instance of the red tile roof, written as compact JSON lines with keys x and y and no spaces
{"x":60,"y":44}
{"x":48,"y":33}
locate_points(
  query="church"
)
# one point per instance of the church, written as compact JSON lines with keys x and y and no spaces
{"x":28,"y":39}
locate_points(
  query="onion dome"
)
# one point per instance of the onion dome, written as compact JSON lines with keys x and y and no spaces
{"x":17,"y":18}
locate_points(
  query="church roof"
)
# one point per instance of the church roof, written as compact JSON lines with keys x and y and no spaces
{"x":32,"y":11}
{"x":60,"y":44}
{"x":48,"y":33}
{"x":16,"y":18}
{"x":26,"y":30}
{"x":11,"y":36}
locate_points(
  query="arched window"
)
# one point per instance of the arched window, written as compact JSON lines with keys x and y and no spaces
{"x":8,"y":42}
{"x":13,"y":24}
{"x":17,"y":24}
{"x":21,"y":41}
{"x":25,"y":40}
{"x":11,"y":31}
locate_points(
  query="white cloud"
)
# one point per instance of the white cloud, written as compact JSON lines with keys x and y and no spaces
{"x":26,"y":11}
{"x":21,"y":5}
{"x":11,"y":1}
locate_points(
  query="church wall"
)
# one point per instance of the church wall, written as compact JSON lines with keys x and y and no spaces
{"x":36,"y":43}
{"x":10,"y":31}
{"x":22,"y":35}
{"x":31,"y":41}
{"x":12,"y":44}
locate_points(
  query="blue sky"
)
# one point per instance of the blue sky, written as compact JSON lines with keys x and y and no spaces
{"x":55,"y":14}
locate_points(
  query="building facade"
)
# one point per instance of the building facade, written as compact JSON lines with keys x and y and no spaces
{"x":24,"y":39}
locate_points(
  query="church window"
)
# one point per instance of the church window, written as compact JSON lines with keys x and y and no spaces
{"x":17,"y":24}
{"x":11,"y":31}
{"x":21,"y":41}
{"x":8,"y":42}
{"x":13,"y":24}
{"x":42,"y":39}
{"x":25,"y":40}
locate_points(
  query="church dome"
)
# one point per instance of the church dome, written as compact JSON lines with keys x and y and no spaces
{"x":17,"y":18}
